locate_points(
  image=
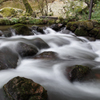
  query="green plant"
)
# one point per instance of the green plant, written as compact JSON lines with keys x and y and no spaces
{"x":5,"y":21}
{"x":14,"y":20}
{"x":96,"y":12}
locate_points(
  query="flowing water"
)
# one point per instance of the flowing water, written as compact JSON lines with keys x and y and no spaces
{"x":71,"y":50}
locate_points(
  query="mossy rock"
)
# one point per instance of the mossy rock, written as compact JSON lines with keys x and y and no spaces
{"x":20,"y":88}
{"x":8,"y":12}
{"x":79,"y":72}
{"x":69,"y":24}
{"x":95,"y":33}
{"x":72,"y":26}
{"x":88,"y":24}
{"x":81,"y":32}
{"x":21,"y":29}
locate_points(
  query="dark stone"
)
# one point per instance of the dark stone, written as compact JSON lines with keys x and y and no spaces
{"x":25,"y":50}
{"x":38,"y":42}
{"x":20,"y":88}
{"x":46,"y":55}
{"x":57,"y":27}
{"x":78,"y":72}
{"x":8,"y":59}
{"x":38,"y":29}
{"x":94,"y":33}
{"x":7,"y":33}
{"x":1,"y":33}
{"x":21,"y":29}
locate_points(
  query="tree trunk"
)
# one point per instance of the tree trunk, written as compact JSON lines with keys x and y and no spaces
{"x":28,"y":7}
{"x":90,"y":9}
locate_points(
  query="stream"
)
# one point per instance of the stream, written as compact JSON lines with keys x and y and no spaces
{"x":50,"y":73}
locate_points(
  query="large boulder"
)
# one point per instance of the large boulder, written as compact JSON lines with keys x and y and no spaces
{"x":10,"y":12}
{"x":8,"y":59}
{"x":21,"y":29}
{"x":25,"y":50}
{"x":20,"y":88}
{"x":78,"y":72}
{"x":81,"y":32}
{"x":65,"y":8}
{"x":39,"y":43}
{"x":95,"y":33}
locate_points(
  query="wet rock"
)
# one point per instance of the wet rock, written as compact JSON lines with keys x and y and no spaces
{"x":87,"y":25}
{"x":94,"y":33}
{"x":1,"y":33}
{"x":7,"y":33}
{"x":81,"y":32}
{"x":78,"y":72}
{"x":39,"y":43}
{"x":72,"y":26}
{"x":57,"y":27}
{"x":38,"y":29}
{"x":46,"y":55}
{"x":25,"y":50}
{"x":8,"y":59}
{"x":20,"y":88}
{"x":21,"y":29}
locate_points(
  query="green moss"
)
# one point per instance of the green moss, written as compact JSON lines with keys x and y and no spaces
{"x":8,"y":12}
{"x":87,"y":24}
{"x":81,"y":32}
{"x":69,"y":24}
{"x":72,"y":28}
{"x":22,"y":29}
{"x":95,"y":33}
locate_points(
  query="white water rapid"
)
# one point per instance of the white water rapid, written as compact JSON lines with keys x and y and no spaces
{"x":71,"y":50}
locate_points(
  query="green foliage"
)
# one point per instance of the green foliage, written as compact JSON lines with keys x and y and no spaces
{"x":22,"y":20}
{"x":96,"y":12}
{"x":5,"y":21}
{"x":14,"y":20}
{"x":35,"y":21}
